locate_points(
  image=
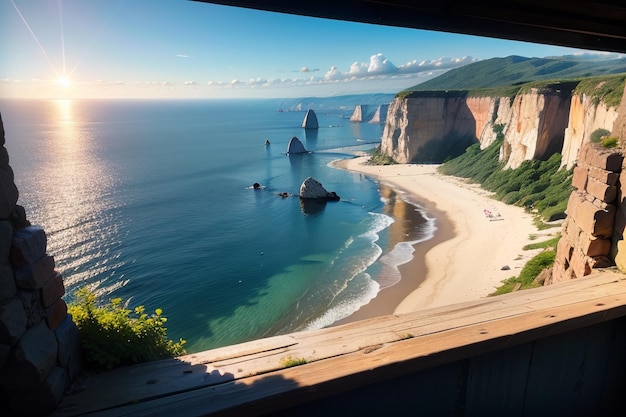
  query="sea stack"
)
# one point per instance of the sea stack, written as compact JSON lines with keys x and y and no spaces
{"x":381,"y":114}
{"x":310,"y":120}
{"x":357,"y":115}
{"x":295,"y":146}
{"x":312,"y":189}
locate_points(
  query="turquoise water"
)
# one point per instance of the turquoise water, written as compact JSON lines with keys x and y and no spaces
{"x":151,"y":201}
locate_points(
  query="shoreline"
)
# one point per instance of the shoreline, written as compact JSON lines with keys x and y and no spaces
{"x":464,"y":259}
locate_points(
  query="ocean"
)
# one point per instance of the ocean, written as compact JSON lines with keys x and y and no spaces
{"x":152,"y":201}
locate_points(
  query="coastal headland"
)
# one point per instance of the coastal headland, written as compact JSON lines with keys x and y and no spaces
{"x":478,"y":242}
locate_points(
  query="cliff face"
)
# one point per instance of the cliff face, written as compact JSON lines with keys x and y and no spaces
{"x":535,"y":125}
{"x":584,"y":118}
{"x":419,"y":129}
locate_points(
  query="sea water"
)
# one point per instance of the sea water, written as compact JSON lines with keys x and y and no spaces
{"x":152,"y":201}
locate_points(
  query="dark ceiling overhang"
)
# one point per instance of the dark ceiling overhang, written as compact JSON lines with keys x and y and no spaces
{"x":585,"y":24}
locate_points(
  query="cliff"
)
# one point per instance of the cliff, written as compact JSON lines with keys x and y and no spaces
{"x":425,"y":128}
{"x":536,"y":123}
{"x":585,"y":117}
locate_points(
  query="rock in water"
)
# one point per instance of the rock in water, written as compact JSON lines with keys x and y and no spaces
{"x":357,"y":115}
{"x":310,"y":120}
{"x":311,"y":188}
{"x":295,"y":146}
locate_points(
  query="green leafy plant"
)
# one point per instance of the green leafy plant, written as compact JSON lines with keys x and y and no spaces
{"x":380,"y":158}
{"x":113,"y":336}
{"x":289,"y":361}
{"x":597,"y":135}
{"x":609,"y":142}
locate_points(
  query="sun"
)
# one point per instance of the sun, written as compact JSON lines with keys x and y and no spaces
{"x":64,"y":82}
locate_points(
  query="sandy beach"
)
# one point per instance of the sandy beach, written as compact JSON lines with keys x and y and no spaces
{"x":465,"y":259}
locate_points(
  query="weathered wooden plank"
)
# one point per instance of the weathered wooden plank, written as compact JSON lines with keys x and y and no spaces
{"x":266,"y":355}
{"x":144,"y":381}
{"x":580,"y":360}
{"x":372,"y":334}
{"x":263,"y":393}
{"x":496,"y":383}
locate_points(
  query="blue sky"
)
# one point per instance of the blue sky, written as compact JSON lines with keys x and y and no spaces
{"x":186,"y":49}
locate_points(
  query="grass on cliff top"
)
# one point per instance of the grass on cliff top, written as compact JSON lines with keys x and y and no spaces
{"x":538,"y":186}
{"x":608,"y":89}
{"x":506,"y":91}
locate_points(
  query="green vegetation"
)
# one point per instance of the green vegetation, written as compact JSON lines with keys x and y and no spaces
{"x":608,"y":89}
{"x":517,"y":70}
{"x":380,"y":158}
{"x":598,"y":134}
{"x":288,"y":362}
{"x":531,"y":270}
{"x":551,"y":243}
{"x":536,"y":185}
{"x":609,"y":142}
{"x":112,"y":336}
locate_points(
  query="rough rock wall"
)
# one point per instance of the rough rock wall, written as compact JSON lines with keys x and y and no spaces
{"x":418,"y":128}
{"x":619,"y":126}
{"x":502,"y":107}
{"x":592,"y":235}
{"x":618,"y":249}
{"x":535,"y":127}
{"x":39,"y":346}
{"x":584,"y":118}
{"x":588,"y":230}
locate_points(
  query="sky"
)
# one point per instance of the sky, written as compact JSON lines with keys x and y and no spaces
{"x":187,"y":49}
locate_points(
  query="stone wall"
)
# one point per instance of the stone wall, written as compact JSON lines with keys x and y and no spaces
{"x":592,"y":235}
{"x":587,"y":232}
{"x":39,"y":346}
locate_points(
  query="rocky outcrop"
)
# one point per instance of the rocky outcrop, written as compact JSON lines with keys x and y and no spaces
{"x":422,"y":129}
{"x":39,"y":346}
{"x":619,"y":126}
{"x":8,"y":190}
{"x":380,"y":116}
{"x":535,"y":124}
{"x":588,"y":230}
{"x":312,"y":189}
{"x":310,"y":120}
{"x":585,"y":117}
{"x":295,"y":146}
{"x":357,"y":115}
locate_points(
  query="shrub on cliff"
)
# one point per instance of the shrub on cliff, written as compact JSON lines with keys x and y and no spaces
{"x":113,"y":336}
{"x":536,"y":185}
{"x":380,"y":158}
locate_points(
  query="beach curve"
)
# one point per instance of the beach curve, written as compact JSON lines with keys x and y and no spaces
{"x":476,"y":239}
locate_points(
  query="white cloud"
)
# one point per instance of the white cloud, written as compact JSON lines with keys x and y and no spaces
{"x":439,"y":63}
{"x":378,"y":68}
{"x":358,"y":68}
{"x":333,"y":74}
{"x":380,"y":65}
{"x":182,"y":56}
{"x":190,"y":83}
